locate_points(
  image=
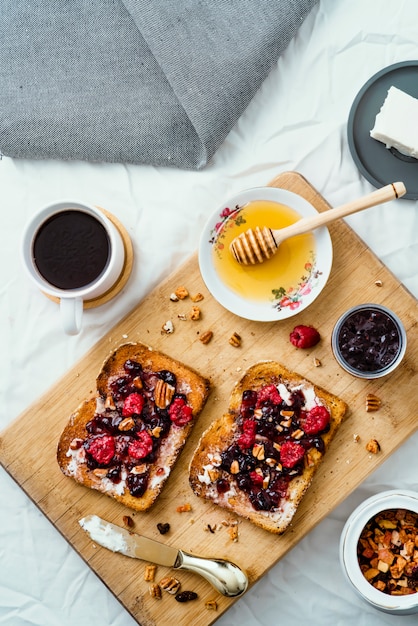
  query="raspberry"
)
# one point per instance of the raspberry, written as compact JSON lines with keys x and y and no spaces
{"x":291,"y":453}
{"x":133,"y":404}
{"x":246,"y":440}
{"x":304,"y":336}
{"x":256,"y":479}
{"x":180,"y":413}
{"x":101,"y":448}
{"x":268,"y":393}
{"x":316,"y":420}
{"x":141,"y":447}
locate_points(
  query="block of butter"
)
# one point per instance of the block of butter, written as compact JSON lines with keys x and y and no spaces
{"x":396,"y":124}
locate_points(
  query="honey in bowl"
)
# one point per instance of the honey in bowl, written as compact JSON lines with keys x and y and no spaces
{"x":286,"y":277}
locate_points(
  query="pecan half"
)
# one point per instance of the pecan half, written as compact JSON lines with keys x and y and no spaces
{"x":163,"y":394}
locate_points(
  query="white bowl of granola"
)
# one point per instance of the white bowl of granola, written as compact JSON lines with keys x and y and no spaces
{"x":379,"y":551}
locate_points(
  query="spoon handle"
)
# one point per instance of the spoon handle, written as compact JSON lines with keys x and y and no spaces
{"x":384,"y":194}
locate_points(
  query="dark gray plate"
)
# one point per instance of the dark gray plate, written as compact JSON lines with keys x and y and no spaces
{"x":379,"y":165}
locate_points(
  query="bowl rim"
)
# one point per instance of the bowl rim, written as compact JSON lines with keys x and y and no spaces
{"x":248,"y":309}
{"x":384,"y":370}
{"x":391,"y":499}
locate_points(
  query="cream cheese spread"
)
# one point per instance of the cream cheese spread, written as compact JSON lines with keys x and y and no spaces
{"x":396,"y":124}
{"x":103,"y":533}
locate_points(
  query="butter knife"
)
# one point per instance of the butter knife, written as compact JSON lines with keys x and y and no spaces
{"x":225,"y":576}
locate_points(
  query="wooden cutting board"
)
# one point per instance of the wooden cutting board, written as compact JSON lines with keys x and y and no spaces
{"x":205,"y":529}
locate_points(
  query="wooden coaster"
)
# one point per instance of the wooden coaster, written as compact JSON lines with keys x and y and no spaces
{"x":126,"y":271}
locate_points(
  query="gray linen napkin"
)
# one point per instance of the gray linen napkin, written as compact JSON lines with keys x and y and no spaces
{"x":142,"y":81}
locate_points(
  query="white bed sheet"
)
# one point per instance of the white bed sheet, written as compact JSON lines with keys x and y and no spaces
{"x":297,"y":122}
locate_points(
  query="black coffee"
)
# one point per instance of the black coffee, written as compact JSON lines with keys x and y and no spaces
{"x":71,"y":249}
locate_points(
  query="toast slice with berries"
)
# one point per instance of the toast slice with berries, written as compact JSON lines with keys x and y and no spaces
{"x":259,"y":458}
{"x":125,"y":441}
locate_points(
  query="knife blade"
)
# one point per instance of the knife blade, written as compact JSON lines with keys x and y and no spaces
{"x":225,"y":576}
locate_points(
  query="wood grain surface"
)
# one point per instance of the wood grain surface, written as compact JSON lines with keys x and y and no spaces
{"x":347,"y":463}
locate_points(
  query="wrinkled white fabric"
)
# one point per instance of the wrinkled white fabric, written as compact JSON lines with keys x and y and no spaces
{"x":297,"y":121}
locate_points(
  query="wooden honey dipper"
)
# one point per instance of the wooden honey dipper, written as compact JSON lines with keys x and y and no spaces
{"x":258,"y":245}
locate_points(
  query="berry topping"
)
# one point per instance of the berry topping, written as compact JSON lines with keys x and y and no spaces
{"x":268,"y":393}
{"x":140,"y":448}
{"x":101,"y":448}
{"x":304,"y":336}
{"x":247,"y":439}
{"x":291,"y":453}
{"x":180,"y":412}
{"x":133,"y":405}
{"x":316,"y":420}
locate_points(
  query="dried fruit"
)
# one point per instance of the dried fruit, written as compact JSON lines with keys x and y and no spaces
{"x":184,"y":508}
{"x":181,"y":293}
{"x":128,"y":521}
{"x":186,"y":596}
{"x":163,"y":528}
{"x":373,"y":446}
{"x":304,"y":336}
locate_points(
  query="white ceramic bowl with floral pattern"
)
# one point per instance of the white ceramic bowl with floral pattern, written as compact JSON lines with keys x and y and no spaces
{"x":284,"y":285}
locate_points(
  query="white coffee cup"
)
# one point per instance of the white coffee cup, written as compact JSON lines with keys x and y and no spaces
{"x":73,"y":252}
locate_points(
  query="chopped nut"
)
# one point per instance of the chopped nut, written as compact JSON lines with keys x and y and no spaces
{"x":198,"y":297}
{"x":168,"y":327}
{"x":163,"y":393}
{"x":181,"y":293}
{"x":149,"y":573}
{"x":258,"y":451}
{"x":356,"y":438}
{"x":234,"y":469}
{"x":170,"y":584}
{"x":155,"y":591}
{"x":195,"y":313}
{"x":184,"y":508}
{"x":182,"y":317}
{"x":372,"y":402}
{"x":139,"y":469}
{"x":128,"y":521}
{"x":214,"y":475}
{"x":235,"y":340}
{"x":156,"y":432}
{"x":298,"y":433}
{"x":137,"y":381}
{"x":373,"y":446}
{"x":316,"y":362}
{"x":233,"y":533}
{"x":174,"y":297}
{"x":76,"y":443}
{"x":378,"y":283}
{"x":100,"y":472}
{"x":126,"y":424}
{"x":211,"y":605}
{"x":258,"y":414}
{"x":206,"y":336}
{"x":284,"y":413}
{"x":109,"y":404}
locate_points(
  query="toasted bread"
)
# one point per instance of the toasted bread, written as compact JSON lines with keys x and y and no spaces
{"x":241,"y":462}
{"x":127,"y":450}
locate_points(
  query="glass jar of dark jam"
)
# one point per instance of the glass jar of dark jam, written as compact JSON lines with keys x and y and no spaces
{"x":369,"y":341}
